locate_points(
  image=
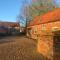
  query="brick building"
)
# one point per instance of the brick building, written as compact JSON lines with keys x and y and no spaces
{"x":42,"y":28}
{"x":9,"y":24}
{"x":11,"y":27}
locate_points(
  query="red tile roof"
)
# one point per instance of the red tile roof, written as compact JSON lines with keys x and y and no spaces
{"x":48,"y":17}
{"x":35,"y":21}
{"x":51,"y":16}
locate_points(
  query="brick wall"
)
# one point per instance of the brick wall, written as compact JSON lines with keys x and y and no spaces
{"x":44,"y":36}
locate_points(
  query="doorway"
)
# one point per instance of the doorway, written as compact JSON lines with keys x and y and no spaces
{"x":56,"y":45}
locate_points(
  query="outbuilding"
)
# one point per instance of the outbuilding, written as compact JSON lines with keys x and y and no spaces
{"x":42,"y":28}
{"x":9,"y":27}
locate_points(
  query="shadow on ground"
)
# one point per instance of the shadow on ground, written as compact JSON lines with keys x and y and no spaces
{"x":20,"y":48}
{"x":5,"y":39}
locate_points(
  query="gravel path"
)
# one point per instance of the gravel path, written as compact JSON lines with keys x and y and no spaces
{"x":19,"y":48}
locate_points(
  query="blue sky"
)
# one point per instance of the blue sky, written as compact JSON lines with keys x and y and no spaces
{"x":57,"y":2}
{"x":9,"y":9}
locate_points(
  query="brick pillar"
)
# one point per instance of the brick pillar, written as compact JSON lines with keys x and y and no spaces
{"x":45,"y":46}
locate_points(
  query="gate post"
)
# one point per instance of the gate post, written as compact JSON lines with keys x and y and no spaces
{"x":45,"y":45}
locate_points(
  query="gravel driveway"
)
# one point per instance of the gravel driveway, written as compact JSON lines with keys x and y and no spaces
{"x":19,"y":48}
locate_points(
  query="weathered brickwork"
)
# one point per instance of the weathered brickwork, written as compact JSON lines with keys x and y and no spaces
{"x":44,"y":34}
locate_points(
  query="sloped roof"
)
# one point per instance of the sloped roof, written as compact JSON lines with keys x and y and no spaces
{"x":51,"y":16}
{"x":35,"y":21}
{"x":9,"y":24}
{"x":48,"y":17}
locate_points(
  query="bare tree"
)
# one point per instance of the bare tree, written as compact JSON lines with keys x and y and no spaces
{"x":37,"y":7}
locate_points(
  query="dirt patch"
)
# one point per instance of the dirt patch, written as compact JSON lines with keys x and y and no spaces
{"x":20,"y":49}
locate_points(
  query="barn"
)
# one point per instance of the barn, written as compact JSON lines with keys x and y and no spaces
{"x":42,"y":28}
